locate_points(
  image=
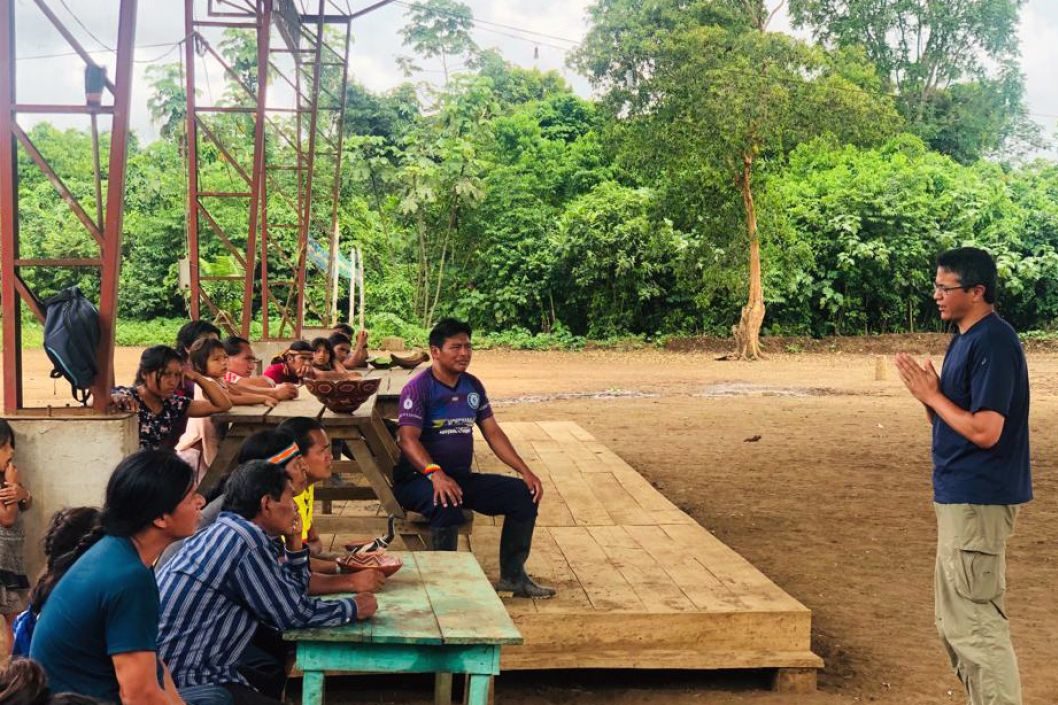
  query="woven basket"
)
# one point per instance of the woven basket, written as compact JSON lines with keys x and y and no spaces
{"x":343,"y":395}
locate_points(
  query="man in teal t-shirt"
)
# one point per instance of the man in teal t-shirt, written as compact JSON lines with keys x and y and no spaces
{"x":94,"y":614}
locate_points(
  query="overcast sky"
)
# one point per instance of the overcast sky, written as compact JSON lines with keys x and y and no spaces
{"x":504,"y":24}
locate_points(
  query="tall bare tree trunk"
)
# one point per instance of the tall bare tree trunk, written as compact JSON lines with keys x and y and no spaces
{"x":747,"y":332}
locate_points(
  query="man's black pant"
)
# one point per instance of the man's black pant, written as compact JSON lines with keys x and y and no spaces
{"x":483,"y":493}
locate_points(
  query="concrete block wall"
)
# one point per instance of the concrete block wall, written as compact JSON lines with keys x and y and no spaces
{"x":66,"y":462}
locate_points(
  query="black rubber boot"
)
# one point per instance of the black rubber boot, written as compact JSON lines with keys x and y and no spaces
{"x":515,"y":544}
{"x":445,"y":538}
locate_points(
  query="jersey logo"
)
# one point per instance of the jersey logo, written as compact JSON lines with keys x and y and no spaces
{"x":408,"y":404}
{"x":474,"y":400}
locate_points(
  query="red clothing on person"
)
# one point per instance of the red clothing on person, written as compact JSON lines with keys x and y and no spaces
{"x":278,"y":374}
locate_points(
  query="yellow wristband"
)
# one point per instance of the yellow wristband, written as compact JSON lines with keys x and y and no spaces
{"x":431,"y":469}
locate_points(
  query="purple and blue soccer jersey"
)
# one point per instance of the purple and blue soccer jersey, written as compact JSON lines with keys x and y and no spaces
{"x":447,"y":416}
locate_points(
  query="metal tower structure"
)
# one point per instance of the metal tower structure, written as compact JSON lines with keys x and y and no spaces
{"x":103,"y":97}
{"x":262,"y":212}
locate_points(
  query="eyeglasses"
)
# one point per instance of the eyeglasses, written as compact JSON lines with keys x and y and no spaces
{"x":944,"y":290}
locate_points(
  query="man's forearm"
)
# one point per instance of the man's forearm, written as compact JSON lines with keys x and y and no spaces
{"x":415,"y":453}
{"x":503,"y":448}
{"x":972,"y":427}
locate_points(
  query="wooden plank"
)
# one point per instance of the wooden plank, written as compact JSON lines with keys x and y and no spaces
{"x":644,"y":493}
{"x":531,"y":431}
{"x":305,"y":405}
{"x":607,"y":589}
{"x":577,"y":495}
{"x":655,"y":588}
{"x":547,"y":562}
{"x":525,"y":658}
{"x":557,"y":430}
{"x":632,"y":632}
{"x":703,"y":588}
{"x":621,"y":506}
{"x":244,"y":414}
{"x":386,"y":438}
{"x":576,"y":431}
{"x":467,"y":609}
{"x":754,"y":589}
{"x":374,"y":474}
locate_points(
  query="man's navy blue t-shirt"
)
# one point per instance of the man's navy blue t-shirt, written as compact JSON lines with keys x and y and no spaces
{"x":984,"y":369}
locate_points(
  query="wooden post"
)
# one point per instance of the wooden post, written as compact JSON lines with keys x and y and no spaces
{"x":794,"y":680}
{"x":360,"y":262}
{"x":442,"y":689}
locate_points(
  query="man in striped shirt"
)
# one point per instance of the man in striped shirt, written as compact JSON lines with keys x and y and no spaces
{"x":233,"y":575}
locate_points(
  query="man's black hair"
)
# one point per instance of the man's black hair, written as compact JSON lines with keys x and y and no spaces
{"x":339,"y":339}
{"x":973,"y":266}
{"x":301,"y":428}
{"x":264,"y":444}
{"x":447,"y":328}
{"x":344,"y":328}
{"x":192,"y":331}
{"x":249,"y":483}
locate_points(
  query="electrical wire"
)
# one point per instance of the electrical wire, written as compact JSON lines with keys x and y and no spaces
{"x":82,"y":24}
{"x":476,"y":21}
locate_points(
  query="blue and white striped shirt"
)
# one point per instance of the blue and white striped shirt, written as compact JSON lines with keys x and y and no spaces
{"x":226,"y":579}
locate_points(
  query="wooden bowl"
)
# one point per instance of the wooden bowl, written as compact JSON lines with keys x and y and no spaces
{"x":342,"y":395}
{"x":410,"y":361}
{"x":379,"y":560}
{"x":381,"y":362}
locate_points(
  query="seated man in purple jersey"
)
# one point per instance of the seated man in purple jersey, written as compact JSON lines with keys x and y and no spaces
{"x":438,"y":410}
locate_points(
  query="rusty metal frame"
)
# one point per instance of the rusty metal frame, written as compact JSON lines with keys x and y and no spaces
{"x":275,"y":273}
{"x":104,"y":229}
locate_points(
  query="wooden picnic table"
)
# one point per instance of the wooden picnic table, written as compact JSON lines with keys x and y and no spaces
{"x":393,"y":381}
{"x":438,"y":614}
{"x":375,"y":452}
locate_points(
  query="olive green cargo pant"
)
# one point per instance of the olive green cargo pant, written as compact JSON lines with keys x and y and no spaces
{"x":969,"y":584}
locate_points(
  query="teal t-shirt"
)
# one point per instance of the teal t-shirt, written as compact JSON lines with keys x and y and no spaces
{"x":106,"y":604}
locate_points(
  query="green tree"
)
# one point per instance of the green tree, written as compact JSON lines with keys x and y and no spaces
{"x":730,"y":95}
{"x":439,"y":29}
{"x":618,"y":261}
{"x":937,"y":57}
{"x":168,"y":100}
{"x":440,"y":181}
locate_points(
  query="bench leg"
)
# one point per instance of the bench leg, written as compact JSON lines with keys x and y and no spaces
{"x":478,"y":687}
{"x":442,"y":689}
{"x":312,"y":688}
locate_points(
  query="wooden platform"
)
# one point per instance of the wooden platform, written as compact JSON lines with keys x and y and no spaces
{"x":640,"y":584}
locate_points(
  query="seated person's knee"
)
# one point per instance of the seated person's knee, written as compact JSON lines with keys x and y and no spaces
{"x":447,"y":516}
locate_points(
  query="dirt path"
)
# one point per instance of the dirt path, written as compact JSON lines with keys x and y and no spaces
{"x":832,"y":502}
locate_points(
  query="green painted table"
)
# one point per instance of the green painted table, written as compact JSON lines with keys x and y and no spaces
{"x":438,"y":614}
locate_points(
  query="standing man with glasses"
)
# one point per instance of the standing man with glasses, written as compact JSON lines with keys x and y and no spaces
{"x":979,"y":409}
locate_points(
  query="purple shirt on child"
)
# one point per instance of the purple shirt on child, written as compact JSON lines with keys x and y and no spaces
{"x":446,"y":416}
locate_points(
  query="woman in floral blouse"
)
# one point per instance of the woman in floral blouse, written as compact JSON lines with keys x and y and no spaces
{"x":163,"y":413}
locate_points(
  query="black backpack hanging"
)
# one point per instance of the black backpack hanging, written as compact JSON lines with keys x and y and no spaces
{"x":71,"y":337}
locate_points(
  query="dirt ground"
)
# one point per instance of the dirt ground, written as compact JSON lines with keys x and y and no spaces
{"x":832,"y":503}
